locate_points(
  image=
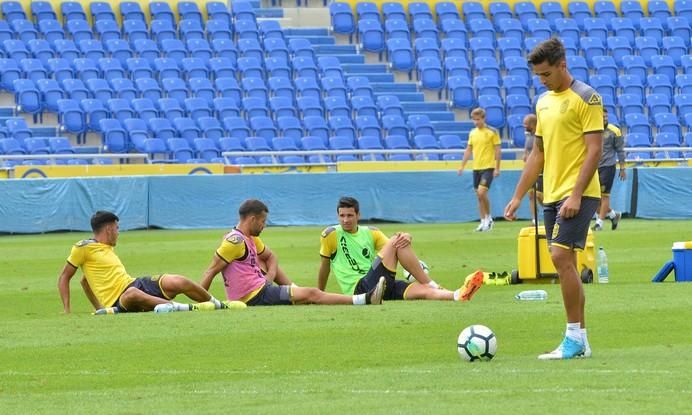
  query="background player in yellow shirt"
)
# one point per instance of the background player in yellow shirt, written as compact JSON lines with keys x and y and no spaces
{"x":108,"y":285}
{"x":567,"y":148}
{"x":484,"y":142}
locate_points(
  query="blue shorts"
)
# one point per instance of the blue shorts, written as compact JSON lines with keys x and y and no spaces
{"x":569,"y":233}
{"x":394,"y":289}
{"x":483,"y":178}
{"x":272,"y":294}
{"x":149,"y":285}
{"x":606,"y":176}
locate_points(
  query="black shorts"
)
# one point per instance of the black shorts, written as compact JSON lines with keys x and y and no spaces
{"x":539,"y":184}
{"x":149,"y":285}
{"x":483,"y":178}
{"x":569,"y":233}
{"x":606,"y":175}
{"x":272,"y":295}
{"x":394,"y":289}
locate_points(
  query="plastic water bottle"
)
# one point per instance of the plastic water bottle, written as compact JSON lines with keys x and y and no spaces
{"x":602,"y":266}
{"x":532,"y":295}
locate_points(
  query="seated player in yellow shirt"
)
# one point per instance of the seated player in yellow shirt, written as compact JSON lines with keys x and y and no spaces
{"x":111,"y":289}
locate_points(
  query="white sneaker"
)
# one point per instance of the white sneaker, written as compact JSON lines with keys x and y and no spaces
{"x":480,"y":227}
{"x":568,"y":349}
{"x":164,"y":308}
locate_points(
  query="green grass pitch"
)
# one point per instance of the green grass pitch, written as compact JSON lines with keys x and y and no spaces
{"x":397,"y":358}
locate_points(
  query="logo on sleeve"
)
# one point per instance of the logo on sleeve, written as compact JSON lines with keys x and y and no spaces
{"x":235,"y":239}
{"x":595,"y":99}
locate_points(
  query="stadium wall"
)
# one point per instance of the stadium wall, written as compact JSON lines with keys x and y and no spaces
{"x":211,"y":201}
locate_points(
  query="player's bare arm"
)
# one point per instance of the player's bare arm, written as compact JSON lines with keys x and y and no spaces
{"x":64,"y":286}
{"x":217,"y":264}
{"x":532,"y":169}
{"x":594,"y":148}
{"x":90,"y":294}
{"x":323,"y":273}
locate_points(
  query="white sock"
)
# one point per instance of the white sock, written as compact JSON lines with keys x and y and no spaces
{"x":457,"y":294}
{"x":483,"y":221}
{"x":217,"y":303}
{"x":574,"y":331}
{"x":611,"y":214}
{"x":489,"y":218}
{"x":180,"y":306}
{"x":584,"y":338}
{"x":359,"y":299}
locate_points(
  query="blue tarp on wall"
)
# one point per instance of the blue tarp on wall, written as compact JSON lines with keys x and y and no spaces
{"x":189,"y":202}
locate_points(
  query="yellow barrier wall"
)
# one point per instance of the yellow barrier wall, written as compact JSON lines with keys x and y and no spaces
{"x":34,"y":172}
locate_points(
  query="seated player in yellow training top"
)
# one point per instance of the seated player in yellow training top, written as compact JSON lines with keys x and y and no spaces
{"x":360,"y":255}
{"x":240,"y":256}
{"x":109,"y":287}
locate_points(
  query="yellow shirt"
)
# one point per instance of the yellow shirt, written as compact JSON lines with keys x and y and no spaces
{"x":483,"y":142}
{"x":230,"y":251}
{"x":563,"y":120}
{"x":102,"y":268}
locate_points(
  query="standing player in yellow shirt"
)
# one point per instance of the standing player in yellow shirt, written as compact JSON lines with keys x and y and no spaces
{"x":484,"y":142}
{"x":567,"y":148}
{"x":108,"y":285}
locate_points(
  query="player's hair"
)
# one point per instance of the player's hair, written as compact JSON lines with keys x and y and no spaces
{"x":102,"y":218}
{"x":348,"y":202}
{"x":551,"y":50}
{"x":252,"y":207}
{"x":478,"y":112}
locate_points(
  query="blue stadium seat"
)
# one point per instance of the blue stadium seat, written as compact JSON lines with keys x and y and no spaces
{"x":390,"y":105}
{"x":144,"y":108}
{"x":460,"y":92}
{"x":42,"y":10}
{"x":211,"y":128}
{"x":18,"y":129}
{"x":330,"y":66}
{"x":180,"y":149}
{"x":197,"y":107}
{"x":658,"y":104}
{"x":255,"y":107}
{"x":454,"y":29}
{"x":371,"y":35}
{"x":162,"y":30}
{"x":246,"y":30}
{"x":632,"y":84}
{"x":277,"y":67}
{"x":312,"y":143}
{"x":255,"y":88}
{"x":525,"y":10}
{"x":647,"y":47}
{"x":79,"y":29}
{"x":603,"y":84}
{"x":175,"y":88}
{"x":342,"y":126}
{"x":495,"y":110}
{"x":311,"y":106}
{"x":186,"y":128}
{"x":120,"y":109}
{"x":195,"y":68}
{"x":284,"y":144}
{"x":486,"y":85}
{"x":500,"y":10}
{"x":367,"y":11}
{"x":393,"y":11}
{"x":660,"y":84}
{"x":652,"y":27}
{"x":188,"y":10}
{"x":419,"y":11}
{"x":425,"y":28}
{"x":472,"y":10}
{"x":515,"y":85}
{"x":510,"y":47}
{"x":16,"y":49}
{"x":427,"y":48}
{"x":675,"y":48}
{"x":6,"y":32}
{"x":487,"y":67}
{"x":225,"y":107}
{"x":100,"y":89}
{"x":619,"y":47}
{"x":359,"y":85}
{"x":455,"y":48}
{"x":658,"y":9}
{"x":368,"y":125}
{"x":135,"y":30}
{"x":456,"y":66}
{"x":517,"y":67}
{"x":161,"y":128}
{"x":60,"y":145}
{"x":578,"y":68}
{"x":218,"y":29}
{"x":236,"y":127}
{"x":632,"y":10}
{"x":52,"y":30}
{"x":124,"y":88}
{"x":420,"y":125}
{"x":281,"y":87}
{"x":33,"y":69}
{"x":445,"y":10}
{"x":282,"y":106}
{"x":364,"y":105}
{"x":130,"y":10}
{"x":24,"y":30}
{"x":568,"y":28}
{"x":343,"y":21}
{"x":623,"y":26}
{"x":481,"y":47}
{"x":290,"y":127}
{"x":605,"y":10}
{"x":12,"y":10}
{"x":161,"y":10}
{"x":86,"y":69}
{"x":638,"y":123}
{"x":148,"y":88}
{"x":250,"y":48}
{"x":394,"y":125}
{"x":91,"y":49}
{"x":308,"y":87}
{"x":552,"y":11}
{"x":271,"y":29}
{"x":430,"y":73}
{"x":680,"y":27}
{"x":119,"y":49}
{"x":668,"y":123}
{"x":51,"y":92}
{"x":136,"y":67}
{"x":9,"y":72}
{"x":596,"y":27}
{"x":482,"y":28}
{"x":166,"y":68}
{"x":94,"y":112}
{"x":518,"y":104}
{"x":27,"y":97}
{"x":173,"y":49}
{"x":605,"y":65}
{"x":683,"y":105}
{"x":592,"y":47}
{"x":71,"y":117}
{"x":277,"y":48}
{"x":107,"y":30}
{"x":36,"y":145}
{"x":579,"y":10}
{"x":242,"y":10}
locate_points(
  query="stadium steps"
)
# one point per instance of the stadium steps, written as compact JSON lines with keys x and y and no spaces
{"x":460,"y":128}
{"x":306,"y":31}
{"x":424,"y":106}
{"x":315,"y":40}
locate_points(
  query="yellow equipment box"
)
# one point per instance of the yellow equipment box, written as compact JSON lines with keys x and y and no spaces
{"x":528,"y":258}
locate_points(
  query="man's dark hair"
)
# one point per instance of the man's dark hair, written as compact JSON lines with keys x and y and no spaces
{"x":348,"y":202}
{"x":102,"y":218}
{"x":252,"y":207}
{"x":551,"y":50}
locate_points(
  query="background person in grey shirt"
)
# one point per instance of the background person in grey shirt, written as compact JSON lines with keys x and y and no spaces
{"x":613,"y":145}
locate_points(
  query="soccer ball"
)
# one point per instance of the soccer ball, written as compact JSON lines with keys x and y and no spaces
{"x":477,"y":342}
{"x":410,"y":278}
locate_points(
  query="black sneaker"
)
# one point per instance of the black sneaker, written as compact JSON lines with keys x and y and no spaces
{"x":615,"y":221}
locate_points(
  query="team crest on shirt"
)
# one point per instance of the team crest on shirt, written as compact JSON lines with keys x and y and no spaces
{"x":235,"y":239}
{"x":595,"y":99}
{"x":564,"y":106}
